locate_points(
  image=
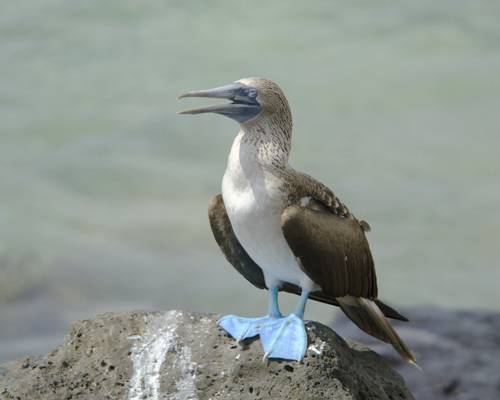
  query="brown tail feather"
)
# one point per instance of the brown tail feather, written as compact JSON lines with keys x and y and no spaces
{"x":369,"y":318}
{"x":389,"y":312}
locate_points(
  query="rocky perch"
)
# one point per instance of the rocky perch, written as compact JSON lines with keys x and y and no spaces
{"x":182,"y":355}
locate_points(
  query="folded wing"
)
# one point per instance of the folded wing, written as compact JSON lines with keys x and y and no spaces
{"x":333,"y":251}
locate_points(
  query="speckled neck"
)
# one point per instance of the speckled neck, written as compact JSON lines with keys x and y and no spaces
{"x":271,"y":137}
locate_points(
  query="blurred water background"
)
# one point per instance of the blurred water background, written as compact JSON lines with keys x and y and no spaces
{"x":104,"y":189}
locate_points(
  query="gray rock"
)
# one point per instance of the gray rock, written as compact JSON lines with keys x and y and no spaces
{"x":459,"y":352}
{"x":181,"y":355}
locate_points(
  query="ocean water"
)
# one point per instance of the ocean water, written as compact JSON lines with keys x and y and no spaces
{"x":104,"y":188}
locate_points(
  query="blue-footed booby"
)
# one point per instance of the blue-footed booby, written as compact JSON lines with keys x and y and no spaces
{"x":284,"y":230}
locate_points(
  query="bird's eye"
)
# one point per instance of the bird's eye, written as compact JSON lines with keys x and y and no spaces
{"x":252,"y":92}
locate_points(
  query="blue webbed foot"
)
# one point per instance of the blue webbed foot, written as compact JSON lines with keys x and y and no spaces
{"x":242,"y":328}
{"x":281,"y":337}
{"x":284,"y":338}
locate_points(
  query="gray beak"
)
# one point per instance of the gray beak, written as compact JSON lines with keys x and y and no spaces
{"x":243,"y":107}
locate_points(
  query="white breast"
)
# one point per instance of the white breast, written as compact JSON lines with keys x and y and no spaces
{"x":254,"y":203}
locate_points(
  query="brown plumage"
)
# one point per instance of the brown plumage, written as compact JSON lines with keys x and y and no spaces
{"x":328,"y":243}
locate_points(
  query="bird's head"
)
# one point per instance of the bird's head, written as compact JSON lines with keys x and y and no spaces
{"x":250,"y":98}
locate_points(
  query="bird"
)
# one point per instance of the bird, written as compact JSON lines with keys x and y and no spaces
{"x":283,"y":230}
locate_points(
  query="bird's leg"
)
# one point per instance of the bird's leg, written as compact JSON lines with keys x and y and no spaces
{"x":286,"y":337}
{"x":301,"y":306}
{"x":274,"y":310}
{"x":242,"y":328}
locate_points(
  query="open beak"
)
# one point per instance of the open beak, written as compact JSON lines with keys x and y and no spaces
{"x":242,"y":108}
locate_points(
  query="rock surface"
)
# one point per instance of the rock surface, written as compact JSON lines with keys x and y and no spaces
{"x":181,"y":355}
{"x":459,"y":352}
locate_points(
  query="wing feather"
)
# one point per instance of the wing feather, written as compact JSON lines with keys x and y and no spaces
{"x":230,"y":245}
{"x":333,"y":251}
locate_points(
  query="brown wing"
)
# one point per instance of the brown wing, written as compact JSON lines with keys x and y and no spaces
{"x":333,"y":251}
{"x":230,"y":245}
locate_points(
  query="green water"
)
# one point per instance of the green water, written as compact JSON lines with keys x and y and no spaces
{"x":104,"y":189}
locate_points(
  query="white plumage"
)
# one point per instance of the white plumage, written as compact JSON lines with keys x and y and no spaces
{"x":254,"y":202}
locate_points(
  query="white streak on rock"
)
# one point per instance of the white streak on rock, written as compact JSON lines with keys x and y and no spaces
{"x":148,"y":354}
{"x":185,"y":385}
{"x":314,"y":348}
